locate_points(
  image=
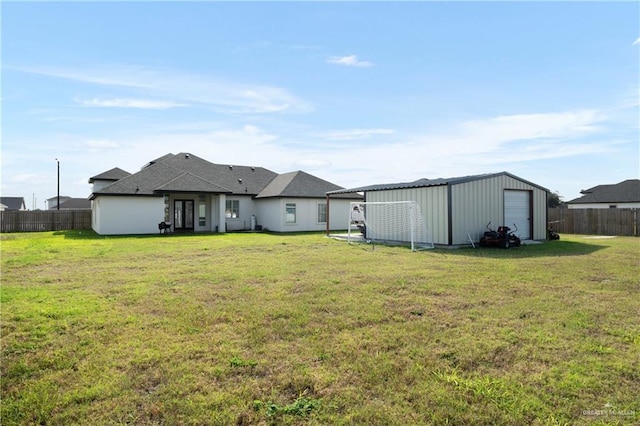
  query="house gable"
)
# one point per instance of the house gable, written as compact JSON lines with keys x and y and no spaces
{"x":110,"y":175}
{"x":13,"y":203}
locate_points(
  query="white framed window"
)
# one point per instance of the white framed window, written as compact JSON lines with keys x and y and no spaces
{"x":290,"y":213}
{"x":202,"y":210}
{"x":322,"y":213}
{"x":232,"y":209}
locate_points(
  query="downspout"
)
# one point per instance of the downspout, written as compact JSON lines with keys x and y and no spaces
{"x":449,"y":216}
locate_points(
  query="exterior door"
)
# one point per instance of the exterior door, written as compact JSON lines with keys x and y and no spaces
{"x":517,"y":210}
{"x":183,"y":215}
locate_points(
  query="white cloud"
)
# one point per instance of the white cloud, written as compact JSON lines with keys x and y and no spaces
{"x":350,"y":134}
{"x":349,"y":61}
{"x":479,"y":146}
{"x":181,"y":89}
{"x":128,"y":103}
{"x":637,"y":42}
{"x":534,"y":126}
{"x":101,"y":144}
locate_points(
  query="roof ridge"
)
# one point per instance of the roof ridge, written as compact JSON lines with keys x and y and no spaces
{"x":189,"y":174}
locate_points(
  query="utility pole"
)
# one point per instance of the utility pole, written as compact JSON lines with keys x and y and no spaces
{"x":58,"y":206}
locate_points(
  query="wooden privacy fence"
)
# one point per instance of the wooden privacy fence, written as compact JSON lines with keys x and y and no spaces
{"x":595,"y":221}
{"x":44,"y":220}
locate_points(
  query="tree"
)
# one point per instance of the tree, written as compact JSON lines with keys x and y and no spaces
{"x":555,"y":200}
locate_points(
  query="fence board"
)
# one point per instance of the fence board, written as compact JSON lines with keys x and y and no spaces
{"x":44,"y":220}
{"x":595,"y":221}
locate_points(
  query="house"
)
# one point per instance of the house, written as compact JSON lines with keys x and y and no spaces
{"x":196,"y":195}
{"x":623,"y":195}
{"x":458,"y":209}
{"x":68,"y":203}
{"x":12,"y":203}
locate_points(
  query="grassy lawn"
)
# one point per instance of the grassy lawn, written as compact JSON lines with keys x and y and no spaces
{"x":302,"y":329}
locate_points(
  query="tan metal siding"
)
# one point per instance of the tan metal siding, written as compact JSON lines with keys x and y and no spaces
{"x":477,"y":202}
{"x":432,"y":202}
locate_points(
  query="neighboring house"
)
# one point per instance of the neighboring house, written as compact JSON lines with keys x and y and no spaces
{"x":196,"y":195}
{"x":12,"y":203}
{"x":455,"y":209}
{"x":623,"y":195}
{"x":68,"y":203}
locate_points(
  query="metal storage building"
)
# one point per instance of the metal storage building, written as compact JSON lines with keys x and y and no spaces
{"x":457,"y":209}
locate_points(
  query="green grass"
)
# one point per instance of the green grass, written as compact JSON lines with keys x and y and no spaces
{"x":303,"y":329}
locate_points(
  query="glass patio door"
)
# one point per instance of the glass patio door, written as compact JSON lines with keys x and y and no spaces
{"x":183,"y":215}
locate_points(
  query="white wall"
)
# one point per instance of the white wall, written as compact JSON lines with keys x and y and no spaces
{"x":121,"y":215}
{"x":247,"y":208}
{"x":98,"y":184}
{"x":271,"y":214}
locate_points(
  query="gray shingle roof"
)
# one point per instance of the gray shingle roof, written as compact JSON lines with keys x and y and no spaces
{"x":75,"y":203}
{"x":299,"y":184}
{"x":627,"y":191}
{"x":114,"y":174}
{"x":13,"y":203}
{"x":186,"y":182}
{"x":233,"y":178}
{"x":188,"y":173}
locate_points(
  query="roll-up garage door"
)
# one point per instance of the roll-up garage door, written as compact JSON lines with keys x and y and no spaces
{"x":517,"y":210}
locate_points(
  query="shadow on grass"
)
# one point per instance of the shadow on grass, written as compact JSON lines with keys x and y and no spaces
{"x":546,"y":249}
{"x":91,"y":235}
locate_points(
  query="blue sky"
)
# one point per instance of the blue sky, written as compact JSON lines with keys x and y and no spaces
{"x":356,"y":93}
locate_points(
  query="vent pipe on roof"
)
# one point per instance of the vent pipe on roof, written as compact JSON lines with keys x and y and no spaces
{"x":186,"y":156}
{"x":230,"y":167}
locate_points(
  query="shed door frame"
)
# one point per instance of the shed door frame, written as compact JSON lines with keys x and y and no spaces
{"x":515,"y":210}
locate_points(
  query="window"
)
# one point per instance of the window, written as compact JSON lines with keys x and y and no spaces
{"x":322,"y":213}
{"x":202,"y":214}
{"x":166,"y":208}
{"x":290,"y":213}
{"x":232,"y":210}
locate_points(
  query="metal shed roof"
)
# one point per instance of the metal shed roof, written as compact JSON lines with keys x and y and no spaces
{"x":423,"y":183}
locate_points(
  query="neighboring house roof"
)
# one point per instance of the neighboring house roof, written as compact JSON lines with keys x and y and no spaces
{"x":75,"y":204}
{"x":186,"y":172}
{"x":113,"y":175}
{"x":422,"y":183}
{"x":627,"y":191}
{"x":299,"y":184}
{"x":13,"y":203}
{"x":68,"y":203}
